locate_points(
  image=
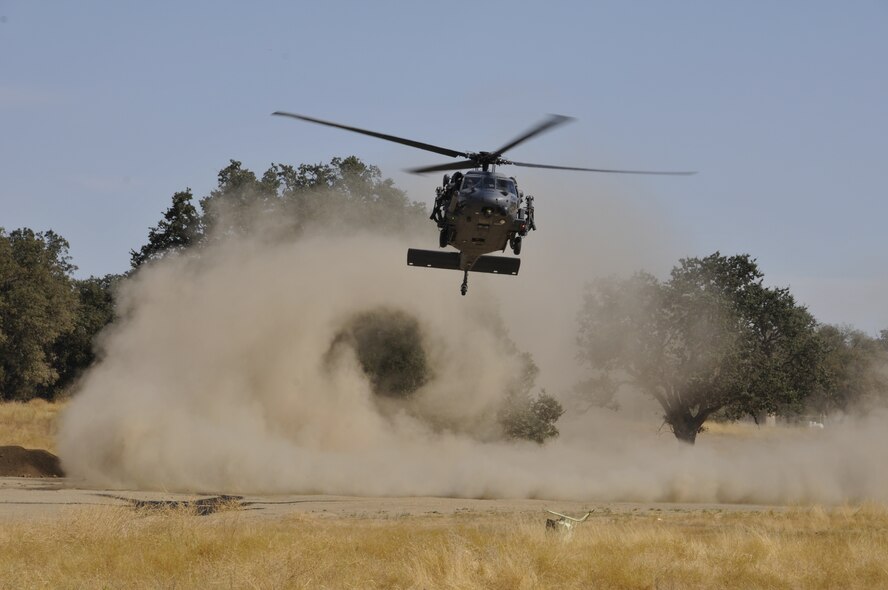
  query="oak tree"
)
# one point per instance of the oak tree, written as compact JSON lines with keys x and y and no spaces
{"x":710,"y":339}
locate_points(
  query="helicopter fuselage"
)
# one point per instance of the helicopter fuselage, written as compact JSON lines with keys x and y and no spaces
{"x":481,"y":212}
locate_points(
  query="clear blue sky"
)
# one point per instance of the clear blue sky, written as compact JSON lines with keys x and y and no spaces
{"x":107,"y":108}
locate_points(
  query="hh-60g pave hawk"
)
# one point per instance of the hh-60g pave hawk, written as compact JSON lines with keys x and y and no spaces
{"x":481,"y":210}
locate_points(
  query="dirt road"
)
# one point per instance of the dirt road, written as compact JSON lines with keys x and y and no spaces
{"x":37,"y":498}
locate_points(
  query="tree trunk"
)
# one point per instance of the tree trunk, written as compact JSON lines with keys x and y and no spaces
{"x":685,"y":426}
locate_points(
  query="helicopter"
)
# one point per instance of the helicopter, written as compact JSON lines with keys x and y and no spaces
{"x":481,"y":210}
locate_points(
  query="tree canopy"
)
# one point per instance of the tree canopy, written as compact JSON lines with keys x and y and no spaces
{"x":180,"y":227}
{"x":345,"y":194}
{"x":710,"y":339}
{"x":48,"y":320}
{"x":37,"y":306}
{"x":75,"y":350}
{"x":854,"y":372}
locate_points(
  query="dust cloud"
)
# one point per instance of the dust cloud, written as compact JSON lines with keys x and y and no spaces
{"x":221,"y":375}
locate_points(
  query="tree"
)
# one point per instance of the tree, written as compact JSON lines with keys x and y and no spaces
{"x":854,"y":370}
{"x":344,"y":195}
{"x":388,"y":344}
{"x":37,"y":305}
{"x":531,"y":418}
{"x":238,"y":200}
{"x":523,"y":415}
{"x":180,"y":227}
{"x":348,"y":192}
{"x":710,"y":339}
{"x":75,"y":350}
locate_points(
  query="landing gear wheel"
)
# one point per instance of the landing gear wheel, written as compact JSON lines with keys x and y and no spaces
{"x":515,"y":243}
{"x":442,"y":238}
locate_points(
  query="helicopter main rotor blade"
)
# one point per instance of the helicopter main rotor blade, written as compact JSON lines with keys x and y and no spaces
{"x":417,"y":144}
{"x":665,"y":173}
{"x":461,"y":165}
{"x":552,"y":121}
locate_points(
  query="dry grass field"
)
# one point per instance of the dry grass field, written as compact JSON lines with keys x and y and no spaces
{"x":117,"y":547}
{"x":31,"y":425}
{"x":647,"y":547}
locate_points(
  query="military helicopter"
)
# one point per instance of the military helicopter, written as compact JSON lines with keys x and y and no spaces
{"x":479,"y":211}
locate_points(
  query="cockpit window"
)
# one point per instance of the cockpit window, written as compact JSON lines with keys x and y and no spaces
{"x":506,"y":185}
{"x":470,"y":182}
{"x":489,"y":182}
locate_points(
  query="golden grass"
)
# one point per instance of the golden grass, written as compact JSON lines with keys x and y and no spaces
{"x":105,"y":547}
{"x":115,"y":547}
{"x":32,"y":425}
{"x":719,"y":431}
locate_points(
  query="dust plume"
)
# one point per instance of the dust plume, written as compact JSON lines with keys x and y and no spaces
{"x":235,"y":369}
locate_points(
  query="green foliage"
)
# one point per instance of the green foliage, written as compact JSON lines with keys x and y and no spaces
{"x":342,"y":196}
{"x":854,"y":372}
{"x":346,"y":193}
{"x":525,"y":416}
{"x":232,"y":207}
{"x":389,"y":346}
{"x":532,"y":418}
{"x":180,"y":227}
{"x":48,"y":320}
{"x":75,"y":350}
{"x":37,"y":306}
{"x":710,"y":339}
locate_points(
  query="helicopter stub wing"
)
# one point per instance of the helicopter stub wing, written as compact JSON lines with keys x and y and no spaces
{"x":497,"y":264}
{"x":450,"y":260}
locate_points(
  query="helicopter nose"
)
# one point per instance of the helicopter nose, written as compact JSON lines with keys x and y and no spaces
{"x":492,"y":203}
{"x":493,"y":198}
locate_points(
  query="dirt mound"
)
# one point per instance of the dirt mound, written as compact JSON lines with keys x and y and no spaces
{"x":21,"y":462}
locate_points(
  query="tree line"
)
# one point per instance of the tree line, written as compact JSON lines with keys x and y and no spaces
{"x":346,"y":191}
{"x":712,"y":341}
{"x":49,"y":320}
